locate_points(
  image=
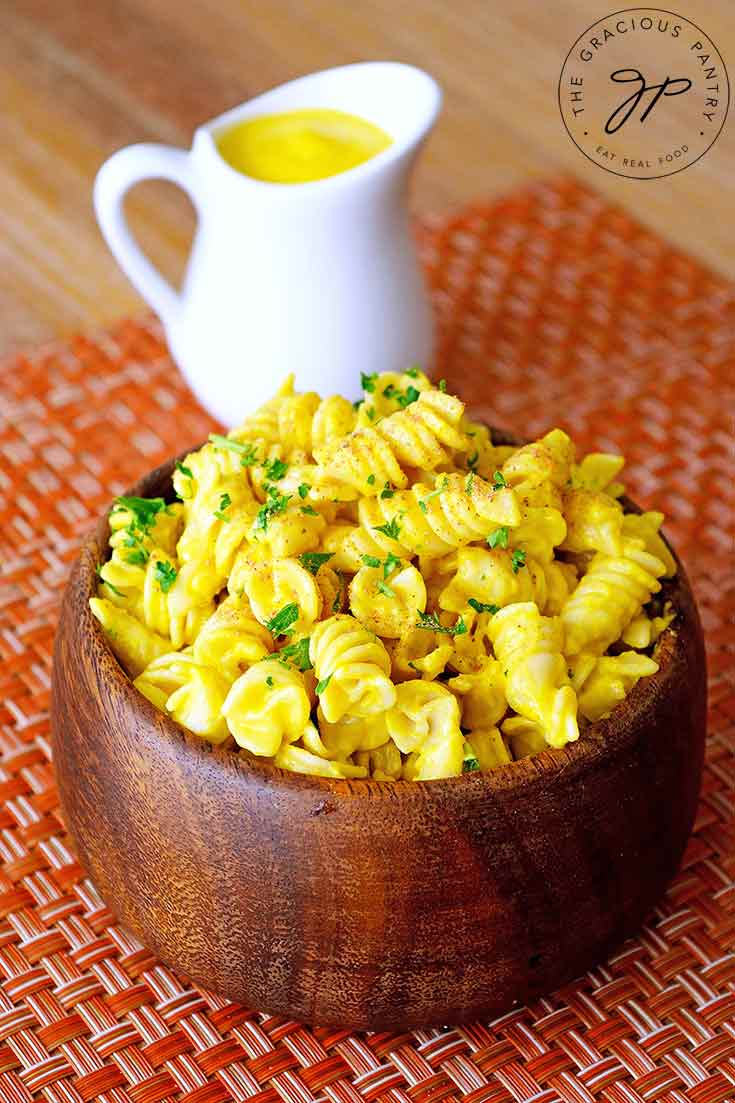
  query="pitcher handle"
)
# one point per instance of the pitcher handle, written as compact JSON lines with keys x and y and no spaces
{"x":129,"y":166}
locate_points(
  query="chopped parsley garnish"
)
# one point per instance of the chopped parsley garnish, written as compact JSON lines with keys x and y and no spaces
{"x":304,"y":489}
{"x":371,"y":480}
{"x":321,"y":686}
{"x":281,"y":624}
{"x":184,"y":470}
{"x":269,"y":682}
{"x":294,"y":654}
{"x":472,"y":460}
{"x":390,"y":564}
{"x":499,"y":480}
{"x":274,"y":504}
{"x":403,"y":398}
{"x":357,"y":404}
{"x":144,"y":511}
{"x":138,"y":557}
{"x":368,"y":381}
{"x":371,"y":560}
{"x":275,"y":469}
{"x":518,"y":560}
{"x":391,"y":529}
{"x":408,"y":397}
{"x":387,"y":491}
{"x":469,"y":482}
{"x":314,"y":560}
{"x":310,"y":511}
{"x":481,"y":606}
{"x":224,"y":503}
{"x":431,"y":622}
{"x":413,"y":373}
{"x":247,"y":452}
{"x":98,"y":570}
{"x":371,"y":413}
{"x":165,"y":575}
{"x":498,"y":538}
{"x":384,"y":588}
{"x":469,"y":765}
{"x":439,"y":490}
{"x":442,"y":386}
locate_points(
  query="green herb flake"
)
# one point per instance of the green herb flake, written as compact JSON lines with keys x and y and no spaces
{"x":469,"y":765}
{"x":442,"y":386}
{"x":408,"y":397}
{"x":321,"y":686}
{"x":309,"y":511}
{"x":370,"y":560}
{"x":390,"y":564}
{"x":165,"y":575}
{"x":431,"y":622}
{"x":184,"y":470}
{"x":276,"y":503}
{"x":98,"y":571}
{"x":384,"y":588}
{"x":473,"y":460}
{"x":138,"y":557}
{"x":498,"y":538}
{"x":371,"y":480}
{"x":518,"y":560}
{"x":224,"y":503}
{"x":314,"y":560}
{"x":368,"y":381}
{"x":390,"y":391}
{"x":482,"y":607}
{"x":413,"y":373}
{"x":391,"y":529}
{"x":499,"y":480}
{"x":469,"y":483}
{"x":275,"y":469}
{"x":269,"y":682}
{"x":304,"y":489}
{"x":281,"y":624}
{"x":434,"y":494}
{"x":294,"y":654}
{"x":371,"y":413}
{"x":248,"y":452}
{"x":143,"y":510}
{"x":357,"y":404}
{"x":387,"y":491}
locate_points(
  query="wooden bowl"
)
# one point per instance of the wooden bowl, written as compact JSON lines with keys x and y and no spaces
{"x":365,"y":904}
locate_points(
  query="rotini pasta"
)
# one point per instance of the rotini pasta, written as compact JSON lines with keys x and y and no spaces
{"x":380,"y":590}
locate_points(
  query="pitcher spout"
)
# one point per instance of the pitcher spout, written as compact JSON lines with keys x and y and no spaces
{"x":400,"y":99}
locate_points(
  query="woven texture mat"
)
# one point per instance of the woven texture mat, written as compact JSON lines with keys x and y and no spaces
{"x":560,"y":310}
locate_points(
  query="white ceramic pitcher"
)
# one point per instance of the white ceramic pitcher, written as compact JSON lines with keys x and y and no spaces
{"x":320,"y":278}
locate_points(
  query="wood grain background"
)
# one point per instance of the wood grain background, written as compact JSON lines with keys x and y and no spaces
{"x":78,"y":79}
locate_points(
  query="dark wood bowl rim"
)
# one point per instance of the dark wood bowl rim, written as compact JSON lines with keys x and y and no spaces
{"x":603,"y":738}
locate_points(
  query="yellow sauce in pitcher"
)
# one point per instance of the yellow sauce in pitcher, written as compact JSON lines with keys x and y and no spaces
{"x":300,"y":146}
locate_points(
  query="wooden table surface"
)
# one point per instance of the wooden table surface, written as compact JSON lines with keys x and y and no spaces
{"x":81,"y":78}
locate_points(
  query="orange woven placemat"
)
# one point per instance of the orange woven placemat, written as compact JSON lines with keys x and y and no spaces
{"x":561,"y":310}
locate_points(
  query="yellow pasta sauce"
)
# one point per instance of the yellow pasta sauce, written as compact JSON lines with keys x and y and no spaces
{"x":297,"y":147}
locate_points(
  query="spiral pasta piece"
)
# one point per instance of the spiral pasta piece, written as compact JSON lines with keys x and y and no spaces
{"x":611,"y":680}
{"x":266,"y":707}
{"x":529,"y":648}
{"x":424,"y":723}
{"x":432,"y":521}
{"x":231,"y":639}
{"x":352,"y":666}
{"x":594,"y":522}
{"x":608,"y":597}
{"x":423,"y":435}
